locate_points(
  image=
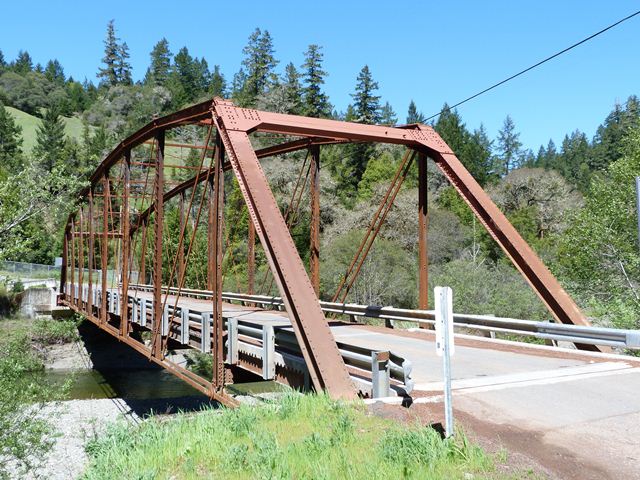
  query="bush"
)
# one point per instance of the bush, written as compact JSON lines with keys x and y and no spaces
{"x":51,"y":332}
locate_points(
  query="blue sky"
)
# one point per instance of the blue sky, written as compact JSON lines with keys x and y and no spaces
{"x":431,"y":52}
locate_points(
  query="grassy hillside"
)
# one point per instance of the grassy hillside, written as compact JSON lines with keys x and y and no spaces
{"x":73,"y":127}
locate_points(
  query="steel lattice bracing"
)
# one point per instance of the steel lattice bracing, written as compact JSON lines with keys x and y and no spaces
{"x":121,"y":231}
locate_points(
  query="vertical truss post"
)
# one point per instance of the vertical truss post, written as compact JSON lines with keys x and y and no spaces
{"x":65,"y":260}
{"x":104,"y":245}
{"x":90,"y":254}
{"x":142,"y":274}
{"x":251,"y":259}
{"x":126,"y":244}
{"x":423,"y":228}
{"x":156,"y":348}
{"x":216,"y":214}
{"x":314,"y":188}
{"x":181,"y":265}
{"x":211,"y":235}
{"x":81,"y":258}
{"x":72,"y":285}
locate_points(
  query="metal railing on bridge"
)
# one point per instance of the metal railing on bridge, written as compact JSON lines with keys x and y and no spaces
{"x":603,"y":336}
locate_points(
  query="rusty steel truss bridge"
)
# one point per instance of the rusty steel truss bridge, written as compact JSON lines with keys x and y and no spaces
{"x":124,"y":272}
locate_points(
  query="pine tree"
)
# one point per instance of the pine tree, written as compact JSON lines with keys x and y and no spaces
{"x":315,"y":102}
{"x":3,"y":62}
{"x":477,"y":157}
{"x":509,"y":147}
{"x":109,"y":74}
{"x":23,"y":63}
{"x":218,"y":84}
{"x":365,"y":103}
{"x":50,"y":141}
{"x":123,"y":67}
{"x":292,"y":89}
{"x":54,"y":72}
{"x":160,"y":68}
{"x":387,"y":115}
{"x":10,"y":143}
{"x":184,"y":84}
{"x":259,"y":64}
{"x":413,"y":116}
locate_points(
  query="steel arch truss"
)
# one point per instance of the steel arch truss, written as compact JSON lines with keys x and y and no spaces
{"x":107,"y":213}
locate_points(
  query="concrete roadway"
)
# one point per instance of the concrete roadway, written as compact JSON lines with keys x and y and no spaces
{"x":576,"y":414}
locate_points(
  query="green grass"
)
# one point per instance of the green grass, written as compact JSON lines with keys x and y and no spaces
{"x":73,"y":127}
{"x":302,"y":437}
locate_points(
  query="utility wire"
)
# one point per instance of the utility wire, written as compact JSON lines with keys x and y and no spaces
{"x":536,"y":65}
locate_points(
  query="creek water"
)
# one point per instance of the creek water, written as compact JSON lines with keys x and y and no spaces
{"x":135,"y":384}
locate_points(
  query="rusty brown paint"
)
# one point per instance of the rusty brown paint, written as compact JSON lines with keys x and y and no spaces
{"x":217,"y":207}
{"x":314,"y":244}
{"x":126,"y":244}
{"x":423,"y":228}
{"x":158,"y":198}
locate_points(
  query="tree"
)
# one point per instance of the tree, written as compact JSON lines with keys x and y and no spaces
{"x":116,"y":71}
{"x":315,"y":101}
{"x":477,"y":157}
{"x":609,"y":141}
{"x":160,"y":68}
{"x":218,"y":84}
{"x":413,"y":116}
{"x":387,"y":115}
{"x":50,"y":141}
{"x":293,"y":89}
{"x":3,"y":62}
{"x":598,"y":255}
{"x":23,"y":63}
{"x":54,"y":72}
{"x":259,"y":64}
{"x":509,"y":147}
{"x":185,"y":84}
{"x":10,"y":144}
{"x":365,"y":103}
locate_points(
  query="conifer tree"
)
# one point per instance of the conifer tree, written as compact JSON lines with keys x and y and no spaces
{"x":365,"y":103}
{"x":387,"y":115}
{"x":160,"y":68}
{"x":259,"y":64}
{"x":509,"y":147}
{"x":315,"y":101}
{"x":50,"y":141}
{"x":292,"y":89}
{"x":3,"y":62}
{"x":116,"y":70}
{"x":109,"y":74}
{"x":123,"y":67}
{"x":54,"y":72}
{"x":184,"y":77}
{"x":218,"y":84}
{"x":10,"y":143}
{"x":23,"y":63}
{"x":413,"y":116}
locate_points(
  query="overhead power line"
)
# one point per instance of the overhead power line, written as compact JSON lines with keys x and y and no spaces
{"x":495,"y":85}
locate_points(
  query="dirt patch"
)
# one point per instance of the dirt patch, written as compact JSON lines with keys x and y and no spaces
{"x":516,"y":452}
{"x":67,"y":356}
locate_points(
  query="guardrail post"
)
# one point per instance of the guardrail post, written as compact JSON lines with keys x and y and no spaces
{"x":164,"y":326}
{"x":184,"y":326}
{"x":232,"y":336}
{"x":134,"y":310}
{"x":380,"y":374}
{"x":205,"y":333}
{"x":268,"y":353}
{"x":143,"y":313}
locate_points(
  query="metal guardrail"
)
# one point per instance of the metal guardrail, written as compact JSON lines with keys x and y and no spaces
{"x":604,"y":336}
{"x":375,"y":373}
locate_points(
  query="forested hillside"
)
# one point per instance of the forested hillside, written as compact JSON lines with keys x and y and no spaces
{"x":573,"y":202}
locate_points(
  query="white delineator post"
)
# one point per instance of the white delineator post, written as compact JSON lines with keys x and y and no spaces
{"x":444,"y":347}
